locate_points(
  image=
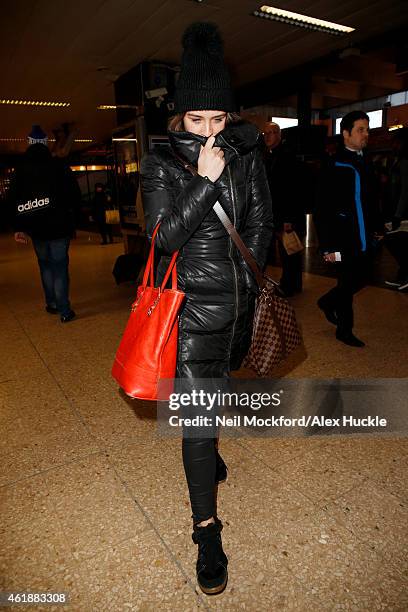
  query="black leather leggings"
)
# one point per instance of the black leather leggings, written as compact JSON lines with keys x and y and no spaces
{"x":199,"y":465}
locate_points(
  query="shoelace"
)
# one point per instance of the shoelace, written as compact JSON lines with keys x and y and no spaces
{"x":209,"y":548}
{"x":209,"y":555}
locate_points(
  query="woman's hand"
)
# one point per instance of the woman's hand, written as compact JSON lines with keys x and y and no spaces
{"x":211,"y":160}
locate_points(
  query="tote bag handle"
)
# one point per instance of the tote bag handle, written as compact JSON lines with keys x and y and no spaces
{"x":149,"y":270}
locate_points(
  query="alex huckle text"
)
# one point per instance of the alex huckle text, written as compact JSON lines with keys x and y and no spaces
{"x":281,"y":421}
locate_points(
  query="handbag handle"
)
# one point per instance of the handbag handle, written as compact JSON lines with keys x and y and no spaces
{"x":229,"y":226}
{"x":149,"y":270}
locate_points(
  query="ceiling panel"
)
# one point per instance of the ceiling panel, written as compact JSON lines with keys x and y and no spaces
{"x":60,"y":50}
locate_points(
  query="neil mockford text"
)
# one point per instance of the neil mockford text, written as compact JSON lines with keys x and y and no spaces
{"x":281,"y":421}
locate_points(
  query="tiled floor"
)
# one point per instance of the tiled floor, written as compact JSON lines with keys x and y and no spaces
{"x":94,"y":504}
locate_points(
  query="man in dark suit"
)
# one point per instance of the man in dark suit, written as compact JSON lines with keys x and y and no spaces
{"x":348,"y":223}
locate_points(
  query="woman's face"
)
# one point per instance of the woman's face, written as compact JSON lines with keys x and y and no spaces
{"x":205,"y":123}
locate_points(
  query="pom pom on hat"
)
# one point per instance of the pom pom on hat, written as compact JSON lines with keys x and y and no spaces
{"x":203,"y":36}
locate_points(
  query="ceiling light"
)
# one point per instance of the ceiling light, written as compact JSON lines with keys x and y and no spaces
{"x":34,"y":103}
{"x":302,"y":21}
{"x":97,"y":168}
{"x":115,"y":106}
{"x":398,"y":126}
{"x":49,"y":140}
{"x":124,"y":139}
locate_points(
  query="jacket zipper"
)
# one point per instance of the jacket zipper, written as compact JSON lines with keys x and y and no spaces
{"x":228,"y":145}
{"x":233,"y":265}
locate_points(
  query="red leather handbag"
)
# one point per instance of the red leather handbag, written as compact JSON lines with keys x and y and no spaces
{"x":148,"y":349}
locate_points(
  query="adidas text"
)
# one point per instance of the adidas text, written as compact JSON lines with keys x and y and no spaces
{"x":37,"y":203}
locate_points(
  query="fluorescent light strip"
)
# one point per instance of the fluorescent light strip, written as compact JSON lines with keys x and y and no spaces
{"x":50,"y":139}
{"x":302,"y":21}
{"x":93,"y":168}
{"x":124,"y":139}
{"x":33,"y":103}
{"x":398,"y":126}
{"x":115,"y":106}
{"x":76,"y":140}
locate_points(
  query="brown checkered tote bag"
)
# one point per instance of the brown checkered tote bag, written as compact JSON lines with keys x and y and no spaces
{"x":275,"y":331}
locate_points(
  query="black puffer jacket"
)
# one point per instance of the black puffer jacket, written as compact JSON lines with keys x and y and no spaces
{"x":216,"y":320}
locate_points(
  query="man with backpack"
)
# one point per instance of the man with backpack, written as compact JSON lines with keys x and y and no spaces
{"x":44,"y":195}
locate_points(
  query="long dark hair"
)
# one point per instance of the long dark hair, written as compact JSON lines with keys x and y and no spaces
{"x":176,"y":123}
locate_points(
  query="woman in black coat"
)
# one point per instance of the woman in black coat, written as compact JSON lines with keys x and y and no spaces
{"x":215,"y":323}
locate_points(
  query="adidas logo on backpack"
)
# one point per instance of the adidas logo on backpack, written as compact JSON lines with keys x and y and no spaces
{"x":31,"y":204}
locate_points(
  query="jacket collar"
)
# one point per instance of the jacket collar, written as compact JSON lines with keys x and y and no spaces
{"x":236,"y":139}
{"x":349,"y":156}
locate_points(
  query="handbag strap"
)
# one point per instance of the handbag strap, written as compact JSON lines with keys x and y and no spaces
{"x":149,"y":269}
{"x":230,"y":227}
{"x":246,"y":253}
{"x":172,"y":269}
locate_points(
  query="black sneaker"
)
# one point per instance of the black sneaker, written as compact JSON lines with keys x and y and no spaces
{"x":350,"y":339}
{"x":68,"y":317}
{"x":330,"y":315}
{"x":51,"y":309}
{"x":212,"y":574}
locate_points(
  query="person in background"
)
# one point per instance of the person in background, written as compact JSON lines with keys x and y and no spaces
{"x":348,"y":223}
{"x":396,"y":242}
{"x":282,"y":171}
{"x":215,"y":323}
{"x":43,"y":197}
{"x":99,"y":207}
{"x":399,"y":180}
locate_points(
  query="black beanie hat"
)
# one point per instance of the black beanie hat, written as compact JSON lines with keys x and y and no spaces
{"x":204,"y":82}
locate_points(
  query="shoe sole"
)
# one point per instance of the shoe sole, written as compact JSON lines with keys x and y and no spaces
{"x":391,"y":284}
{"x":352,"y":345}
{"x":403,"y":287}
{"x":68,"y":320}
{"x":214,"y":590}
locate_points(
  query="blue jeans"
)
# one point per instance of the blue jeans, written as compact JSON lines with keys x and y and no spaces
{"x":53,"y":261}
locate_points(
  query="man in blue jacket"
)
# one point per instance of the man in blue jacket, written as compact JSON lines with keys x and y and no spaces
{"x":348,"y":223}
{"x":43,"y":197}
